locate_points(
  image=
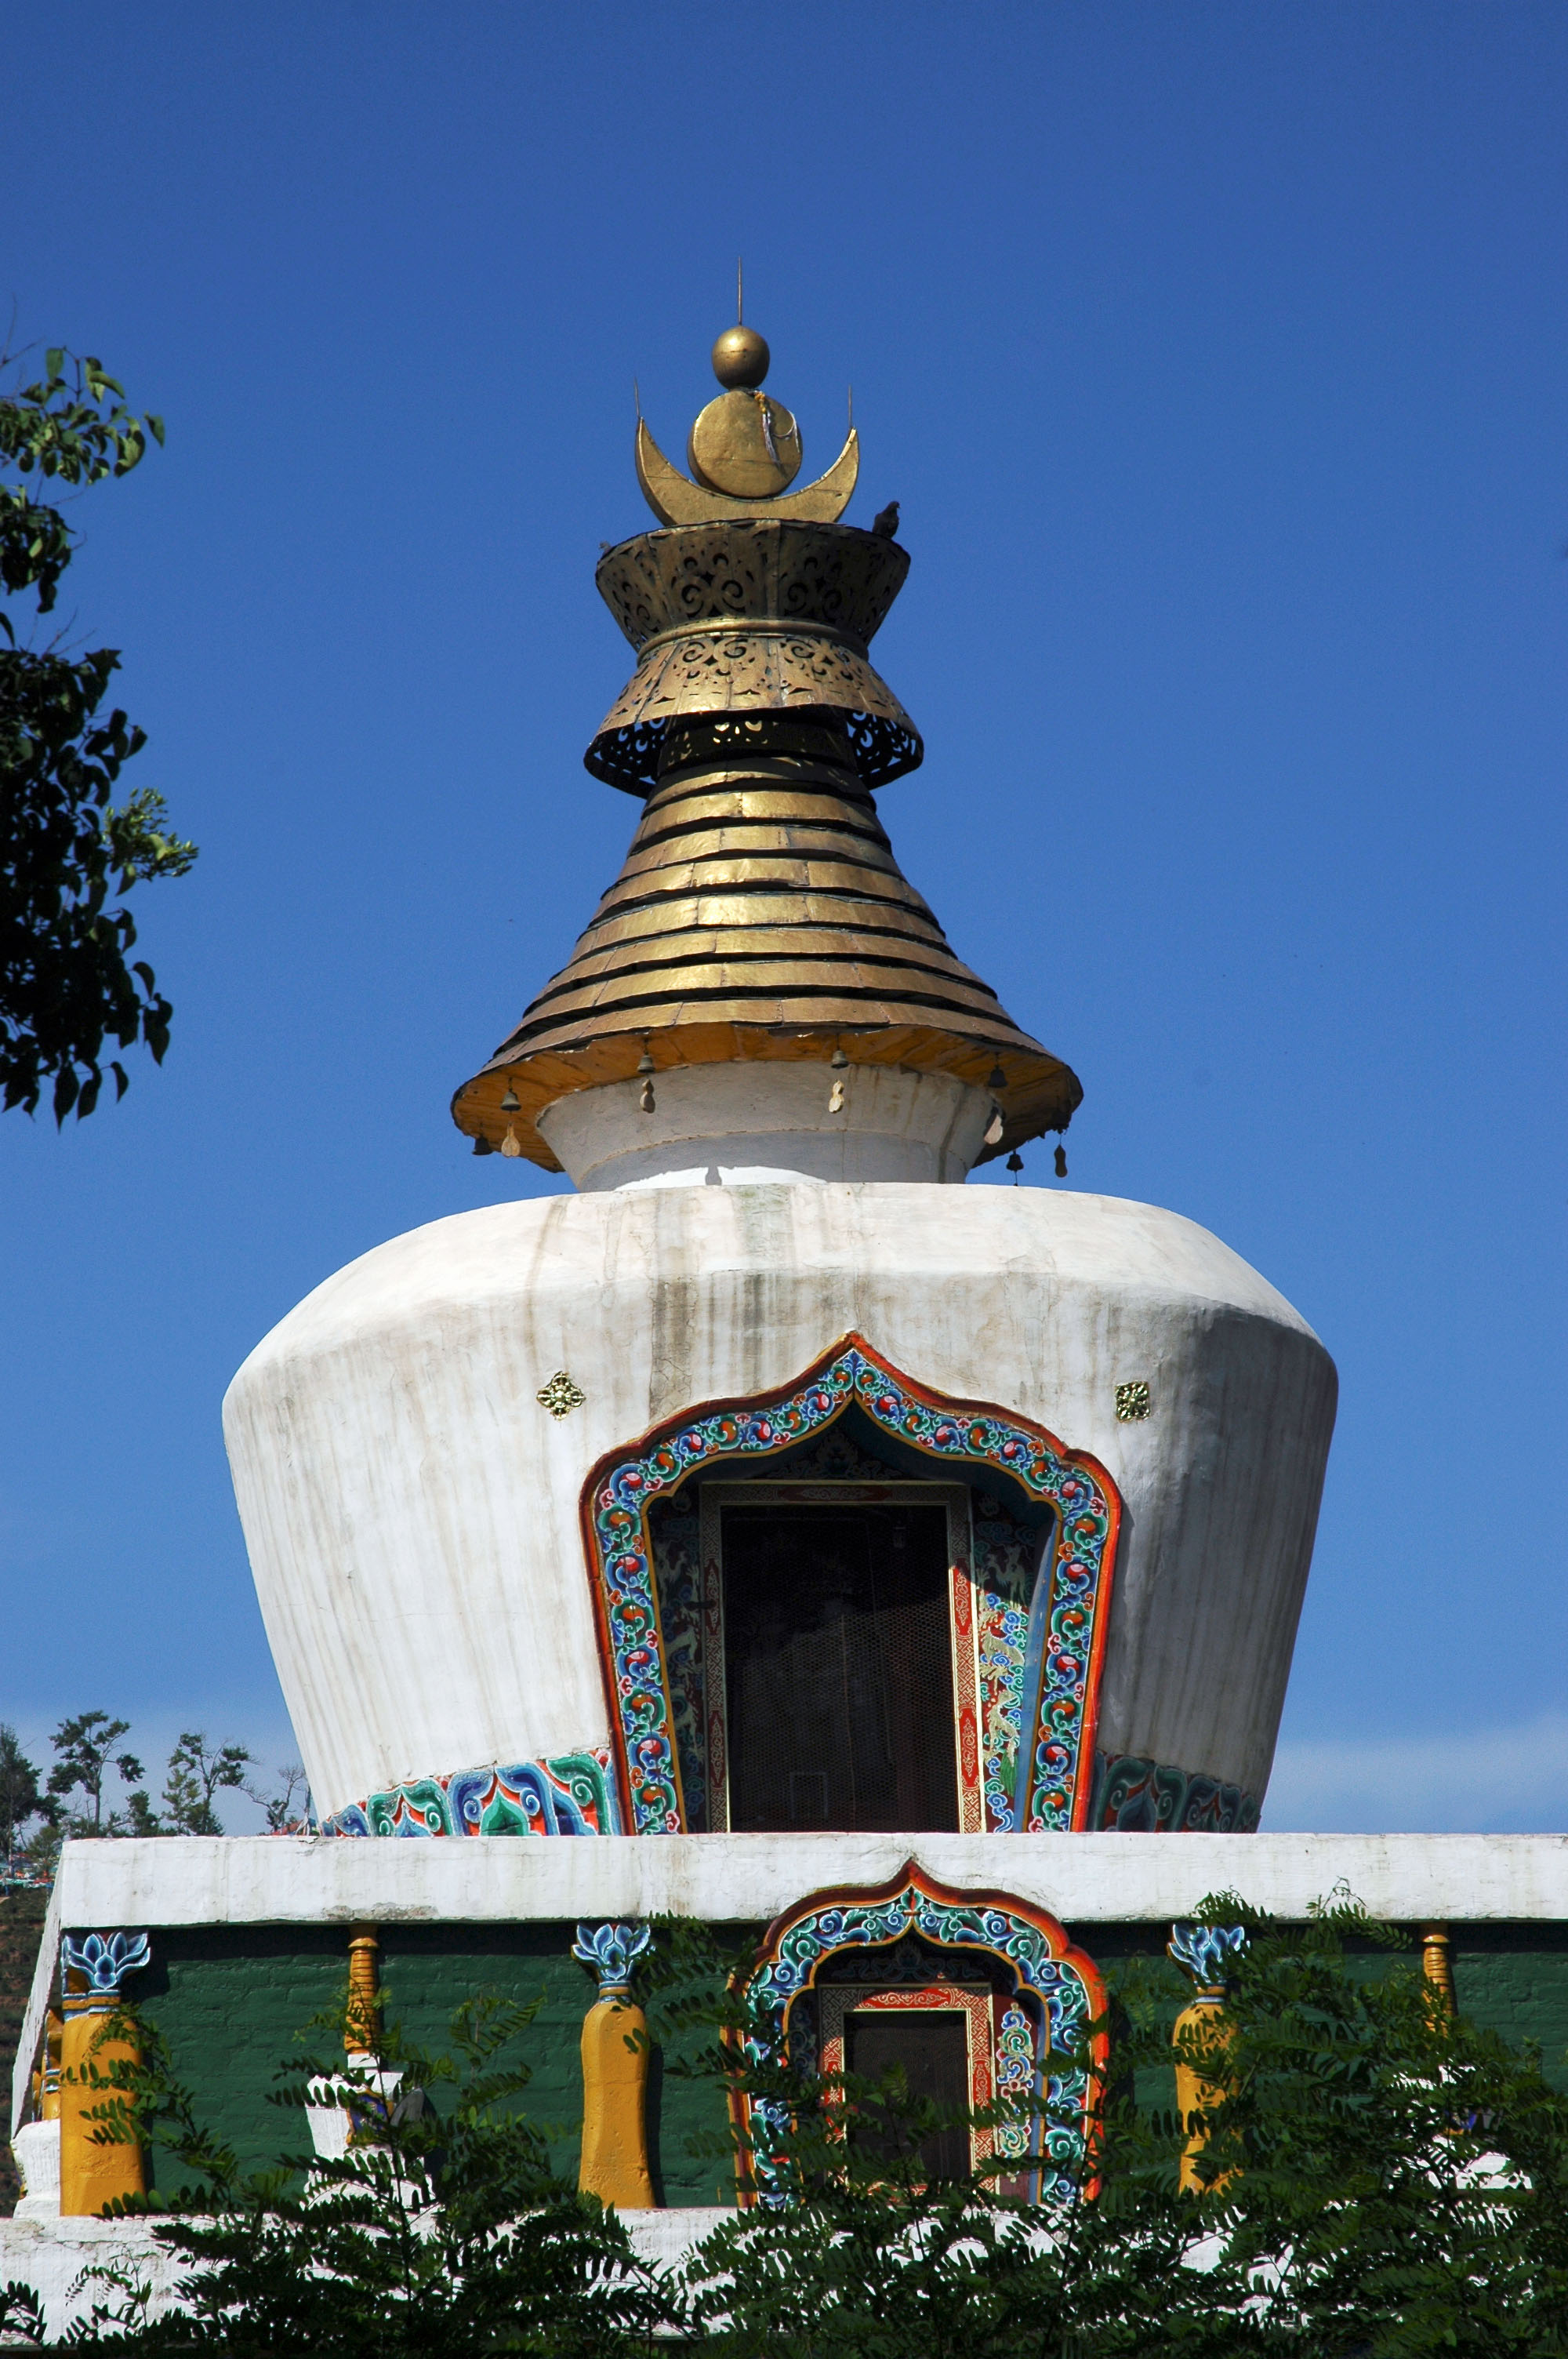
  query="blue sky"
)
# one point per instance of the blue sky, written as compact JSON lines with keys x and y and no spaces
{"x":1218,"y":356}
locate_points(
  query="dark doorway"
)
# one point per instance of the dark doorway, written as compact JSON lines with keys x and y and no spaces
{"x":839,"y":1668}
{"x":932,"y":2046}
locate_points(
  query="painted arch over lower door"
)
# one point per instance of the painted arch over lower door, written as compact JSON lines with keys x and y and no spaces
{"x":1031,"y":1574}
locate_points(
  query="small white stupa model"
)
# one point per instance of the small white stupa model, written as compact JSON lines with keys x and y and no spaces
{"x":775,"y":1481}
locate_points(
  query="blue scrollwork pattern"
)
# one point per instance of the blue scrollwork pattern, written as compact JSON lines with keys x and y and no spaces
{"x":1205,"y":1952}
{"x":103,"y":1960}
{"x":1053,"y":1767}
{"x":612,"y":1950}
{"x":572,"y":1796}
{"x":1062,"y":1982}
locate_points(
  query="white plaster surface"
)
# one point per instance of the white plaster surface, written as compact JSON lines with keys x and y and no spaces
{"x":727,"y":1125}
{"x":51,"y":2256}
{"x":1082,"y":1879}
{"x":667,"y":2237}
{"x":36,"y":2147}
{"x":413,"y":1514}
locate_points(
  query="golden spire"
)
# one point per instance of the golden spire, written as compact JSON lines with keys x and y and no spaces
{"x":760,"y":915}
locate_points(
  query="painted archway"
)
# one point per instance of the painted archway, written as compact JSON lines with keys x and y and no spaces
{"x":1051,"y":2043}
{"x":1059,"y":1665}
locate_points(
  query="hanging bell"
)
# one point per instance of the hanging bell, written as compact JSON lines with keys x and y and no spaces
{"x":1061,"y":1161}
{"x":1015,"y":1165}
{"x":645,"y":1062}
{"x":998,"y":1079}
{"x":646,"y":1100}
{"x":483,"y":1147}
{"x":839,"y":1060}
{"x":511,"y":1143}
{"x":510,"y":1103}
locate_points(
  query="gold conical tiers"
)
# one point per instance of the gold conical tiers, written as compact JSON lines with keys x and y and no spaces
{"x":761,"y":914}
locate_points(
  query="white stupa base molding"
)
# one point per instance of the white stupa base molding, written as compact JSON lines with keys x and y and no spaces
{"x":743,"y":1124}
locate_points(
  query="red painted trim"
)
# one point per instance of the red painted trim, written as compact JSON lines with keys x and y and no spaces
{"x":1083,"y":1791}
{"x":913,"y":1876}
{"x":601,"y":1605}
{"x":949,"y":1406}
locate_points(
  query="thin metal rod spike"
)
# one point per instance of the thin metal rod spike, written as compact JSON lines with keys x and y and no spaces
{"x":739,"y":292}
{"x":637,"y":398}
{"x":851,"y":409}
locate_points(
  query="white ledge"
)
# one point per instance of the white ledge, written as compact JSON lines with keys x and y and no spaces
{"x":309,"y":1880}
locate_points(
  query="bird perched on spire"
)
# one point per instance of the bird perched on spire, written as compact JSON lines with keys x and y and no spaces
{"x":885,"y":523}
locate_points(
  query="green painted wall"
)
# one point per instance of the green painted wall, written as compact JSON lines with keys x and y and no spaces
{"x":231,"y":2003}
{"x":1513,"y":1979}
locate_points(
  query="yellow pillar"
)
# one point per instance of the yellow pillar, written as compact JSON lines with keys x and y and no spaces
{"x":614,"y":2164}
{"x":46,"y":2079}
{"x":361,"y":2027}
{"x":1205,"y":1953}
{"x":1437,"y":1965}
{"x":1201,"y":2026}
{"x":93,"y":2167}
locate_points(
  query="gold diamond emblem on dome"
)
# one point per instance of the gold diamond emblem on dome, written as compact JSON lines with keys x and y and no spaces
{"x":560,"y":1396}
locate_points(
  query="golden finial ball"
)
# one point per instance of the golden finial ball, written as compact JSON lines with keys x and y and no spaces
{"x":740,"y":358}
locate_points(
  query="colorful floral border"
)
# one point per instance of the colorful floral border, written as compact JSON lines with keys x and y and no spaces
{"x":1136,"y":1796}
{"x":1068,"y":2062}
{"x":573,"y":1796}
{"x":1067,"y":1624}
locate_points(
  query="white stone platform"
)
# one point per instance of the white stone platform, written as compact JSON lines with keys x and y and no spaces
{"x":1081,"y":1878}
{"x":54,"y":2258}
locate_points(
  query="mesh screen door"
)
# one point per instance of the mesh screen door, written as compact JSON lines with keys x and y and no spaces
{"x":932,"y":2047}
{"x":839,"y":1669}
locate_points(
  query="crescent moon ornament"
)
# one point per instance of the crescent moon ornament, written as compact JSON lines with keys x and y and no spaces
{"x":675,"y":499}
{"x":744,"y":451}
